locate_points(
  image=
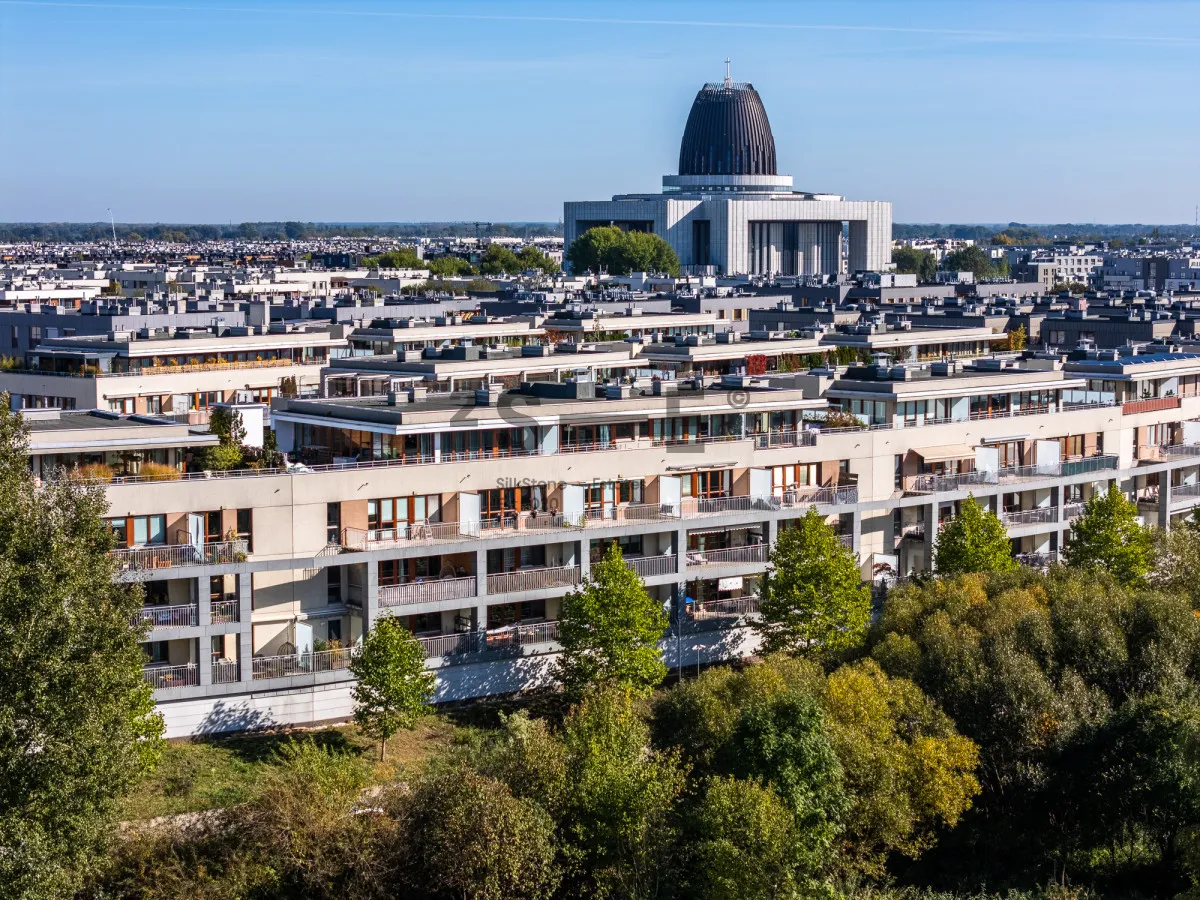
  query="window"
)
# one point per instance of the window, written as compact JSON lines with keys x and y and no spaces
{"x":13,"y":337}
{"x":388,"y":513}
{"x":154,"y":405}
{"x":898,"y":472}
{"x":120,"y":405}
{"x":212,"y":526}
{"x":139,"y":531}
{"x":35,"y":336}
{"x":245,"y":528}
{"x":333,"y":523}
{"x":334,"y":630}
{"x":707,"y":484}
{"x":333,"y":584}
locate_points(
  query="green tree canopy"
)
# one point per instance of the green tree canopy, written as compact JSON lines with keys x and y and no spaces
{"x":973,"y":541}
{"x":392,"y":687}
{"x":1033,"y":668}
{"x":1107,"y":537}
{"x":609,"y":249}
{"x":973,"y":259}
{"x":468,"y":836}
{"x":609,"y":629}
{"x":77,"y":722}
{"x":910,"y":261}
{"x":400,"y":258}
{"x":812,"y":598}
{"x":449,"y":266}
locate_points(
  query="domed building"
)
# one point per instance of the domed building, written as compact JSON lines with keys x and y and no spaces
{"x":729,"y":212}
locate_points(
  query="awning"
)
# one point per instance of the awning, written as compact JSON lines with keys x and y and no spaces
{"x":946,"y":452}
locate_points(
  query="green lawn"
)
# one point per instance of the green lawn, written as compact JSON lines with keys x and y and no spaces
{"x":211,"y":773}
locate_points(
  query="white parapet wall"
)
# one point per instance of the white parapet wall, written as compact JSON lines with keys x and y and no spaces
{"x":333,"y":702}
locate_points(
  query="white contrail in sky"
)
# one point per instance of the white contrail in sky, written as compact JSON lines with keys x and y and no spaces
{"x":978,"y":34}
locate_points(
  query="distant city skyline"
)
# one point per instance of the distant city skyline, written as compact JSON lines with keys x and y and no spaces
{"x":421,"y":112}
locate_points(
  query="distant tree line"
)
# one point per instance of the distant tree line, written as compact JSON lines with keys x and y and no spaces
{"x":66,"y":232}
{"x":1019,"y":233}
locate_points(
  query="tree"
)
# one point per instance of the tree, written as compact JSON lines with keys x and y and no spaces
{"x":812,"y":598}
{"x":392,"y":687}
{"x":621,"y":816}
{"x":77,"y":723}
{"x":595,"y":250}
{"x":449,"y":266}
{"x":1017,"y":338}
{"x":973,"y":541}
{"x":400,"y":258}
{"x":230,"y":452}
{"x":970,"y":259}
{"x":1040,"y":671}
{"x":910,"y":261}
{"x":468,"y":836}
{"x":1108,"y":537}
{"x":609,"y":629}
{"x":1175,"y":565}
{"x":743,"y":845}
{"x":499,"y":260}
{"x":609,"y":249}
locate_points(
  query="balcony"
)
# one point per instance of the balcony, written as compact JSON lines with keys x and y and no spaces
{"x":770,"y":440}
{"x":651,"y":566}
{"x":226,"y":671}
{"x":427,"y":591}
{"x":172,"y":556}
{"x":1073,"y":511}
{"x":1152,"y":404}
{"x":302,"y":663}
{"x":227,"y":610}
{"x":468,"y":643}
{"x":1038,"y":560}
{"x":722,"y":609}
{"x":517,"y":636}
{"x":167,"y":616}
{"x":933,"y":484}
{"x":164,"y":678}
{"x":1038,"y":516}
{"x":730,"y":556}
{"x":633,"y":513}
{"x":406,"y":535}
{"x":533,"y":579}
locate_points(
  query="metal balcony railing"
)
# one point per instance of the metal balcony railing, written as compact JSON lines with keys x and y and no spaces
{"x":718,"y":609}
{"x":167,"y":616}
{"x":1038,"y":560}
{"x":226,"y":671}
{"x":630,"y":512}
{"x":931,"y":484}
{"x":521,"y":636}
{"x":427,"y":591}
{"x":751,"y":553}
{"x":302,"y":663}
{"x":1030,"y":516}
{"x":163,"y":678}
{"x":650,"y":566}
{"x":170,"y":556}
{"x":533,"y":579}
{"x":439,"y":645}
{"x":769,"y":440}
{"x":1073,"y":511}
{"x":405,"y":534}
{"x":225,"y":611}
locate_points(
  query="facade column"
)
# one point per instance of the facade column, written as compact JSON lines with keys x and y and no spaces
{"x":481,"y":591}
{"x":245,"y":587}
{"x":1057,"y":494}
{"x":931,"y":527}
{"x":856,"y":532}
{"x":370,"y":606}
{"x":1164,"y":501}
{"x":203,"y":601}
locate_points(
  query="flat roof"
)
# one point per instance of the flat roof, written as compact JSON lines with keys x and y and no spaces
{"x":81,"y":431}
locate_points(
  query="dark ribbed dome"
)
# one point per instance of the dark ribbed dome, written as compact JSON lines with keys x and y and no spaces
{"x":727,"y":133}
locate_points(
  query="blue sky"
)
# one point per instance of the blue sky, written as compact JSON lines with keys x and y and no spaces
{"x":340,"y":110}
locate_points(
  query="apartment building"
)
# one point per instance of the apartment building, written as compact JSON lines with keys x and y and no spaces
{"x":180,"y":371}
